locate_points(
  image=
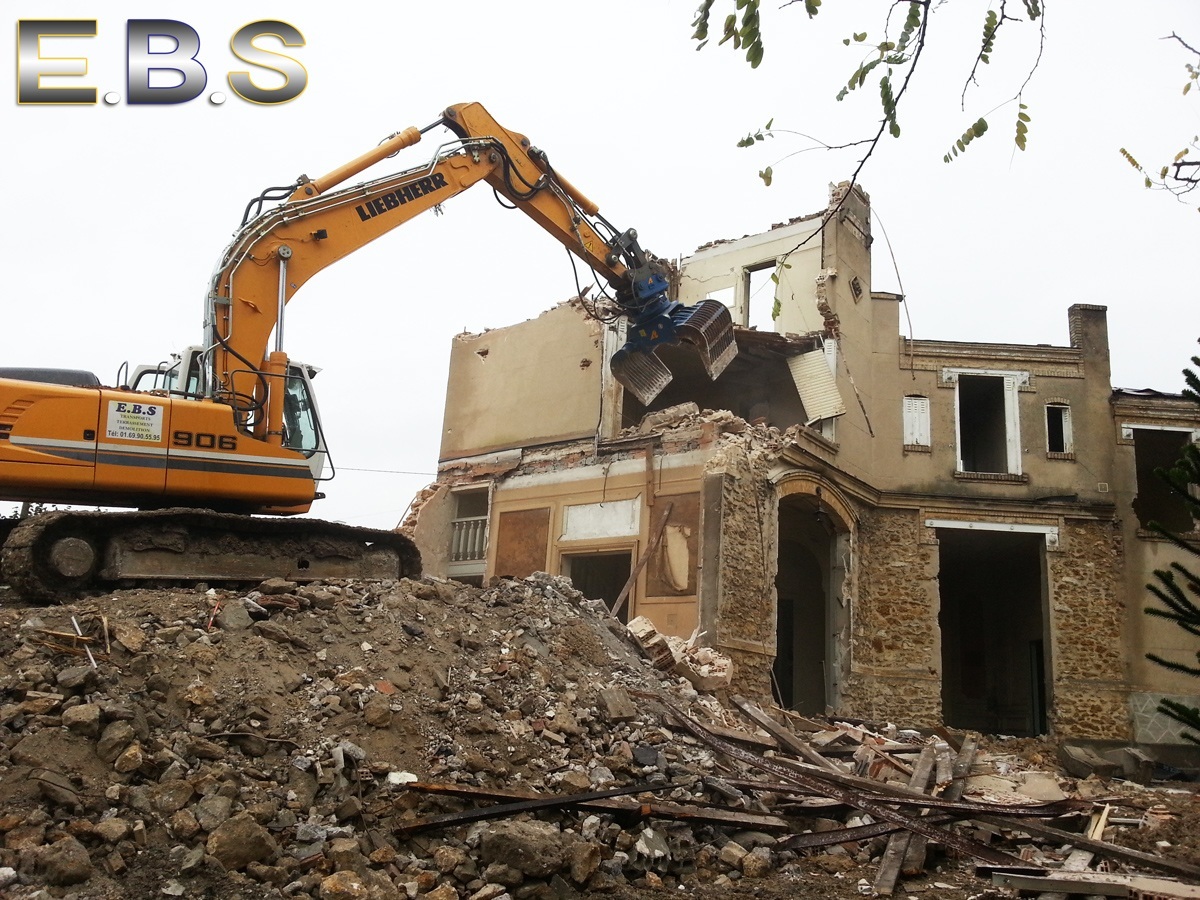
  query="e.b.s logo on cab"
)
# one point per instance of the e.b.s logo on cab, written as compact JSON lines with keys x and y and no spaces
{"x":162,"y":63}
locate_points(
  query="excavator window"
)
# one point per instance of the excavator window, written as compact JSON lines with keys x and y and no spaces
{"x":299,"y":423}
{"x":166,"y":378}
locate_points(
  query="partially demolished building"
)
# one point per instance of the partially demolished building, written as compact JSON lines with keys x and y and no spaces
{"x":929,"y":532}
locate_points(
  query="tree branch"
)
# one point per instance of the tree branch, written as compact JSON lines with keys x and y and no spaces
{"x":874,"y":142}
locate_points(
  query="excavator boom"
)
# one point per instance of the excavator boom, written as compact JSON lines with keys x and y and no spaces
{"x":231,"y":427}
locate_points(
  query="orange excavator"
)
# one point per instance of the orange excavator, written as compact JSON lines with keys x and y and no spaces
{"x":229,"y":428}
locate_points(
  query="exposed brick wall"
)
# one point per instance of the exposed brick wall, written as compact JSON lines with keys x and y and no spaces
{"x":894,"y":633}
{"x":1087,"y":615}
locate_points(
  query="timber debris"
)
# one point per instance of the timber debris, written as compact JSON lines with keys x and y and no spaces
{"x":422,"y":738}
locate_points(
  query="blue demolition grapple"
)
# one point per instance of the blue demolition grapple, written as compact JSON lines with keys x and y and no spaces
{"x":655,"y":320}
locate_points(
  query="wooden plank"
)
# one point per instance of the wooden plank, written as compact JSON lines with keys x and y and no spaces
{"x":944,"y":733}
{"x":743,"y":737}
{"x":1098,"y":822}
{"x":897,"y":846}
{"x":647,"y":810}
{"x":1101,"y":848}
{"x":1076,"y":861}
{"x":1105,"y":884}
{"x":914,"y":858}
{"x":619,"y":603}
{"x":786,"y":739}
{"x":1062,"y":885}
{"x":799,"y":722}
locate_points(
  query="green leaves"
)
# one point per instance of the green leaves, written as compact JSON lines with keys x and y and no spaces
{"x":700,"y":23}
{"x":747,"y":33}
{"x":990,"y":24}
{"x":911,"y":23}
{"x":741,"y":34}
{"x":760,"y":135}
{"x":1022,"y":126}
{"x":977,"y":130}
{"x":889,"y":104}
{"x":811,"y":7}
{"x":766,"y":175}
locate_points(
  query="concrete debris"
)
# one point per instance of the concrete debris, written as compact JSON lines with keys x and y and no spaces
{"x":344,"y":739}
{"x":707,"y":669}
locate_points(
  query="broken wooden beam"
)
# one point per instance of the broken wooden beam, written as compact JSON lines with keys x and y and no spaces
{"x":511,"y":802}
{"x":821,"y":781}
{"x":918,"y":847}
{"x":1105,"y":884}
{"x":1076,"y":861}
{"x":1102,"y":848}
{"x":897,"y":846}
{"x":786,"y":739}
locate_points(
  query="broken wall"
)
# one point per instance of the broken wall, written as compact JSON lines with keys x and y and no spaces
{"x":723,"y":269}
{"x":533,"y":383}
{"x":742,"y":614}
{"x":1157,"y":415}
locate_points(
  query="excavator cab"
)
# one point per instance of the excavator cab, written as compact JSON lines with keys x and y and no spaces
{"x":184,"y":376}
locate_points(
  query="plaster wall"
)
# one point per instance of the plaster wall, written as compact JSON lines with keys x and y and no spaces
{"x":721,"y":270}
{"x":533,"y":383}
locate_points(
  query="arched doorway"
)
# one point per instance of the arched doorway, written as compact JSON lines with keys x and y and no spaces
{"x":810,"y":615}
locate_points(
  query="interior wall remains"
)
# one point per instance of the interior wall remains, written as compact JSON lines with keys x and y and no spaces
{"x":534,"y":383}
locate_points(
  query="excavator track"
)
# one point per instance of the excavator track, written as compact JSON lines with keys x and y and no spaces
{"x":56,"y":555}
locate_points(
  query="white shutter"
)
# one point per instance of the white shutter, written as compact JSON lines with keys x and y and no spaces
{"x":816,"y":385}
{"x":916,"y":421}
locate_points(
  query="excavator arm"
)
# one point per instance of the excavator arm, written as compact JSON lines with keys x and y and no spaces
{"x":277,"y":251}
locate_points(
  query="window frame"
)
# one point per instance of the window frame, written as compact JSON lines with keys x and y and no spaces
{"x":1067,"y":432}
{"x":1014,"y":380}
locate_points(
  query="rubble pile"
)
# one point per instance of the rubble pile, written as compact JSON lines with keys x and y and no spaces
{"x":424,"y":738}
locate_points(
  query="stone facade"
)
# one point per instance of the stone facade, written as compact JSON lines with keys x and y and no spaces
{"x":1091,"y":682}
{"x":953,"y":540}
{"x":894,"y":649}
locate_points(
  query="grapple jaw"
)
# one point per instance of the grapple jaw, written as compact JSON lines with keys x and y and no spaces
{"x":707,"y":327}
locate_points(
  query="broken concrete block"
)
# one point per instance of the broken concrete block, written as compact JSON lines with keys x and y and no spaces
{"x":1135,"y":764}
{"x":1083,"y":762}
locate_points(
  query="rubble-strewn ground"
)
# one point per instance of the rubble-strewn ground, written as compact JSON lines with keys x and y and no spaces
{"x":227,"y":746}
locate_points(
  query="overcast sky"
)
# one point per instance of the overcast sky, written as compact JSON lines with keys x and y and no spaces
{"x":117,"y":213}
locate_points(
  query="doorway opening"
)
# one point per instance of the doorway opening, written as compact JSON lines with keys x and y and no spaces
{"x":993,"y":627}
{"x":600,"y":576}
{"x":804,"y":583}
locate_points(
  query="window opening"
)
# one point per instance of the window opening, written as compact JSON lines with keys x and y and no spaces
{"x":983,"y":425}
{"x":760,"y":297}
{"x":728,"y":296}
{"x":470,"y":503}
{"x":1058,"y":428}
{"x":1155,"y":502}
